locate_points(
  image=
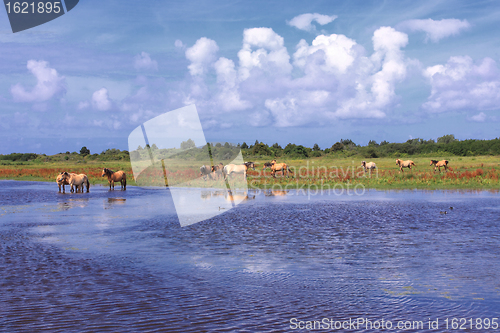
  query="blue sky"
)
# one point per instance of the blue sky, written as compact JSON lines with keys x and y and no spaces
{"x":277,"y":71}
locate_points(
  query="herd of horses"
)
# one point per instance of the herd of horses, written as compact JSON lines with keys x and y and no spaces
{"x":218,"y":171}
{"x":408,"y":164}
{"x":78,"y":182}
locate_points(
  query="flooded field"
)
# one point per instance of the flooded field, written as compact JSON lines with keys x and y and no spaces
{"x":119,"y":261}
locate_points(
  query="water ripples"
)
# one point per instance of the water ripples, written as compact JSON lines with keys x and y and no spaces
{"x":119,"y":261}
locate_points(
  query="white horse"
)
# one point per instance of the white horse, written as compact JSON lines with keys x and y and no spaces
{"x":239,"y":169}
{"x":369,"y":165}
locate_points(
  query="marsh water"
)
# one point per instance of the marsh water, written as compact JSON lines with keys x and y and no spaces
{"x":119,"y":260}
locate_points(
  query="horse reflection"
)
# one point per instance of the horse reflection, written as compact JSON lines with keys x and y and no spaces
{"x":272,"y":193}
{"x":228,"y":195}
{"x":113,"y":201}
{"x":73,"y":203}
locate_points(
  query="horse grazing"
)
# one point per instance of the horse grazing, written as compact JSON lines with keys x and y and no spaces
{"x":61,"y":181}
{"x":206,"y":170}
{"x":369,"y":165}
{"x":233,"y":168}
{"x":118,"y":176}
{"x":404,"y":164}
{"x":439,"y":164}
{"x":79,"y":181}
{"x":283,"y":167}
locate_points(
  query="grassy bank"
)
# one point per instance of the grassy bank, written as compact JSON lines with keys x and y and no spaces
{"x":476,"y":172}
{"x":49,"y":170}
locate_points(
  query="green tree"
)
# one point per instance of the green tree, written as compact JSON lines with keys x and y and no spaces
{"x":261,"y":149}
{"x":244,"y":145}
{"x":316,"y":147}
{"x":337,"y":146}
{"x":348,"y":143}
{"x":187,"y":144}
{"x":446,"y":139}
{"x":84,"y":151}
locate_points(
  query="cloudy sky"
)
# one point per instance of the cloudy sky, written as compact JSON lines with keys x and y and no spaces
{"x":278,"y":71}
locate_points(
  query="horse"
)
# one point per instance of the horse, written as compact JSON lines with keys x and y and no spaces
{"x":217,"y":170}
{"x":60,"y":180}
{"x":205,"y":171}
{"x":404,"y":164}
{"x":80,"y":180}
{"x":233,"y":168}
{"x":118,"y":176}
{"x":267,"y":165}
{"x":369,"y":165}
{"x":283,"y":167}
{"x":439,"y":164}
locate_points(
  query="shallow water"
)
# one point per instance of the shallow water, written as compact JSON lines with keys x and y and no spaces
{"x":119,"y":260}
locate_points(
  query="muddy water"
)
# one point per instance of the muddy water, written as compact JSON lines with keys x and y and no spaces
{"x":119,"y":260}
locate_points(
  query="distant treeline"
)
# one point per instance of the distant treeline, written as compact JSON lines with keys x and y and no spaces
{"x":445,"y":145}
{"x":84,"y":155}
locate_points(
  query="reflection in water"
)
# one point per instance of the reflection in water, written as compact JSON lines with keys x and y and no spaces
{"x":108,"y":204}
{"x":231,"y":196}
{"x":73,"y":203}
{"x":278,"y":193}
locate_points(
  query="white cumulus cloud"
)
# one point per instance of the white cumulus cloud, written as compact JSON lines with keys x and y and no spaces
{"x":202,"y":54}
{"x":462,"y":84}
{"x":329,"y":79}
{"x":270,"y":54}
{"x":100,"y":100}
{"x":435,"y":30}
{"x":49,"y":83}
{"x":304,"y":21}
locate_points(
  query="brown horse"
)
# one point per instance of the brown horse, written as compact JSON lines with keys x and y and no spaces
{"x":439,"y":164}
{"x":404,"y":164}
{"x":118,"y":176}
{"x":217,"y":170}
{"x":283,"y":167}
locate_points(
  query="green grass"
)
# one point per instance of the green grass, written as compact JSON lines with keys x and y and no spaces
{"x":478,"y":172}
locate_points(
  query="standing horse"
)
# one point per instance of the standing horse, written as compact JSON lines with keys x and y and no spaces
{"x":206,"y":170}
{"x":79,"y":181}
{"x":404,"y":164}
{"x":283,"y":167}
{"x":369,"y":165}
{"x":118,"y":176}
{"x":439,"y":164}
{"x":217,"y":170}
{"x":233,"y":168}
{"x":60,"y":180}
